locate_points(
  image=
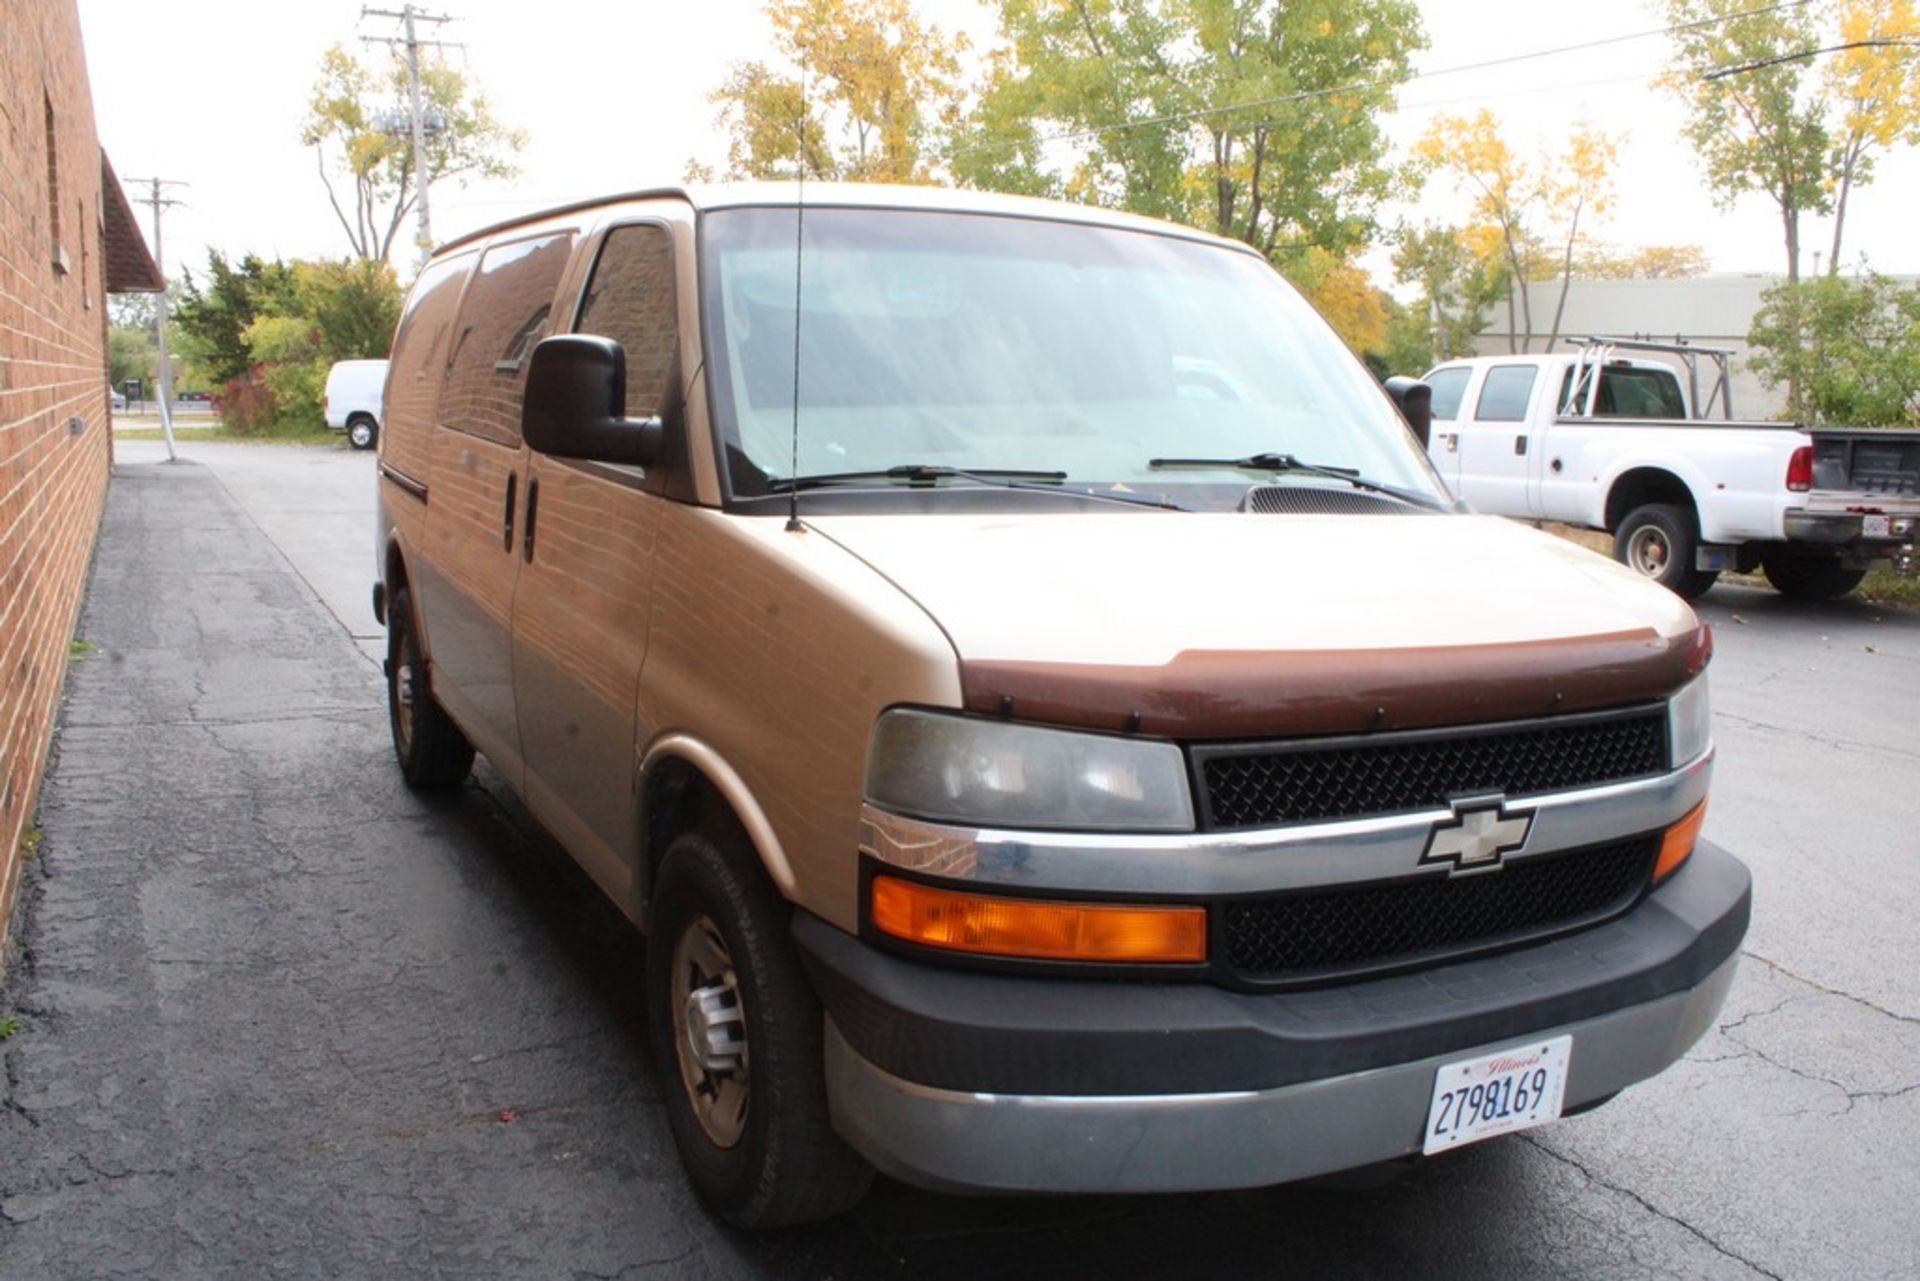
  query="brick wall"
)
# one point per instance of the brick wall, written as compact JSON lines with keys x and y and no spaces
{"x":54,"y":444}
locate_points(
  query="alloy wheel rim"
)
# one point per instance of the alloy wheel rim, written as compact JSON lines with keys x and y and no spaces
{"x":403,"y":700}
{"x":710,"y":1041}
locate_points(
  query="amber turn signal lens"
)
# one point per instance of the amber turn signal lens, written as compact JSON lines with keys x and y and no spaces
{"x":1678,"y":843}
{"x":1036,"y":930}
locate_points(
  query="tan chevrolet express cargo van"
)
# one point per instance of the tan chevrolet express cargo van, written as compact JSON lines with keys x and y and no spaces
{"x":1023,"y":676}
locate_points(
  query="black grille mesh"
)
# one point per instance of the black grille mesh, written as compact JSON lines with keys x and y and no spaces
{"x":1278,"y":783}
{"x":1315,"y":500}
{"x":1321,"y":933}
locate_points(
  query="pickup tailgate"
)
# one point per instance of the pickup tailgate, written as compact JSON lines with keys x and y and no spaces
{"x":1870,"y":463}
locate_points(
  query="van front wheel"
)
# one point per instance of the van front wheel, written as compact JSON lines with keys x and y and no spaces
{"x":433,"y":753}
{"x":736,"y":1034}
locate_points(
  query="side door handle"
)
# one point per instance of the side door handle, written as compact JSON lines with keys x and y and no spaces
{"x":1520,"y":446}
{"x":506,"y":524}
{"x":533,"y":505}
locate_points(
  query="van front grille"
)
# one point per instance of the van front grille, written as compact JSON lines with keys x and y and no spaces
{"x":1261,"y":784}
{"x":1328,"y":934}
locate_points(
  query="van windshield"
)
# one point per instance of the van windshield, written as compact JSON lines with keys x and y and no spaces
{"x":1003,"y":344}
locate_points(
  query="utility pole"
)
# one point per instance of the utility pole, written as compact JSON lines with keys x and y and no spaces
{"x":159,"y":203}
{"x":412,"y":44}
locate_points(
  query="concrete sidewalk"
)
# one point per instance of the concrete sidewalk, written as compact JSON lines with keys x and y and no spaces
{"x":280,"y":1017}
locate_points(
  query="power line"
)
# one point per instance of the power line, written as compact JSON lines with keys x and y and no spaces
{"x":159,"y":202}
{"x":1723,"y":72}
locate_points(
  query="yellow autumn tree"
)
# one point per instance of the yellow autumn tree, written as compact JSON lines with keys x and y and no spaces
{"x":1518,"y":203}
{"x":868,"y":91}
{"x":1873,"y":84}
{"x":1346,"y":297}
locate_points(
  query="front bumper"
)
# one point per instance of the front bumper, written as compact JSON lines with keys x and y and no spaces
{"x":979,"y":1082}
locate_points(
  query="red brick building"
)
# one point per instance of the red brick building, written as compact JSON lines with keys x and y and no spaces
{"x":67,"y":238}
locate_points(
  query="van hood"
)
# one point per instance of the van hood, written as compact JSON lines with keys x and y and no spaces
{"x":1221,"y":625}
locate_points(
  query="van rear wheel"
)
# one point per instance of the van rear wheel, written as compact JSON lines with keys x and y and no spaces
{"x":362,"y":431}
{"x":432,"y":751}
{"x":737,"y":1039}
{"x":1659,"y":540}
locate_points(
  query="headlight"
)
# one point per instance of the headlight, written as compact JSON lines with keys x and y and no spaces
{"x":1689,"y":722}
{"x":997,"y":774}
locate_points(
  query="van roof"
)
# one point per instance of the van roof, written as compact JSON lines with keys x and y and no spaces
{"x":869,"y":195}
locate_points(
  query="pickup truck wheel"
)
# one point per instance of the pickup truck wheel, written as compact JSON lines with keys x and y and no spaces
{"x":1658,"y":540}
{"x":1809,"y":576}
{"x":362,"y":431}
{"x":736,"y":1034}
{"x":433,"y":753}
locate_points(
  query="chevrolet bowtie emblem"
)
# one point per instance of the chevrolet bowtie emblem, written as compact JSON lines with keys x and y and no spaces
{"x":1480,"y":831}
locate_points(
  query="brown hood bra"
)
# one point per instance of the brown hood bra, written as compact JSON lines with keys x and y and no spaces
{"x":1216,"y":694}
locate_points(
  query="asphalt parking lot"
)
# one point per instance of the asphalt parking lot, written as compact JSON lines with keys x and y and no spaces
{"x":281,"y":1017}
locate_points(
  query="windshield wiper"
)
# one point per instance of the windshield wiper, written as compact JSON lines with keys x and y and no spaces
{"x":1046,"y":482}
{"x":1288,"y":463}
{"x":915,"y":473}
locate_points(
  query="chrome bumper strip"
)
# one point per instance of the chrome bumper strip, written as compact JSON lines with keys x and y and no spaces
{"x":1263,"y":860}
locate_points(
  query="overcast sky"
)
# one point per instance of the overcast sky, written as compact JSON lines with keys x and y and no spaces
{"x":613,"y":96}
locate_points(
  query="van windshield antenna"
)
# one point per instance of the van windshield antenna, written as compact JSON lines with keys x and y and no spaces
{"x":799,"y":227}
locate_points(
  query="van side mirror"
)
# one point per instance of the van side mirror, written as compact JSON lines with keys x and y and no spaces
{"x":1415,"y":401}
{"x":576,"y":403}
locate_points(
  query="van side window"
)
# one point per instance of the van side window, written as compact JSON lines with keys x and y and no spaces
{"x":1449,"y":388}
{"x":507,"y":310}
{"x":429,"y":310}
{"x":631,"y":300}
{"x":1504,"y":396}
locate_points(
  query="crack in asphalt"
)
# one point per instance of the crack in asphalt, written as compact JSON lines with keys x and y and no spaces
{"x":637,"y":1267}
{"x":1649,"y":1207}
{"x":1820,"y":987}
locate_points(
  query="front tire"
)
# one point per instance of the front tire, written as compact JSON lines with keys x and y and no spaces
{"x":432,"y":751}
{"x":1659,"y":540}
{"x":736,"y":1034}
{"x":362,"y":431}
{"x":1809,"y":576}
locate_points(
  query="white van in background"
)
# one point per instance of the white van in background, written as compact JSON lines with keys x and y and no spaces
{"x":352,"y":403}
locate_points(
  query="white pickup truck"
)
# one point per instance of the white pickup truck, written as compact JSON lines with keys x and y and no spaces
{"x":1589,"y":437}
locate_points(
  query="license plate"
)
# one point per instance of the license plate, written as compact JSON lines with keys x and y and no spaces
{"x":1499,"y":1093}
{"x":1876,"y":526}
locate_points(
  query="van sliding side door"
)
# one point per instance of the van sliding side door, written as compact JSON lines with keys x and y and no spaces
{"x":479,"y":495}
{"x":587,"y":581}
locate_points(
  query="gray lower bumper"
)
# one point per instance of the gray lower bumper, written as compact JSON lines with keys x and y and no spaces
{"x":978,"y":1142}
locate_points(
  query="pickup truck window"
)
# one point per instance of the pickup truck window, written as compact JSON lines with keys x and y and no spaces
{"x":1449,"y":389}
{"x":1630,"y":392}
{"x":1504,"y":395}
{"x":996,"y":343}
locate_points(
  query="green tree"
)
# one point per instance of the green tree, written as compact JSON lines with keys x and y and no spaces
{"x":213,"y":320}
{"x":871,"y":91}
{"x":1759,"y":128}
{"x":359,"y":145}
{"x":130,"y":354}
{"x":1254,"y":119}
{"x":1852,"y":347}
{"x":1459,"y":273}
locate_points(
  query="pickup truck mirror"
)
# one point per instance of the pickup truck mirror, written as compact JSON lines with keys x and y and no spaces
{"x":576,"y":402}
{"x":1415,"y":402}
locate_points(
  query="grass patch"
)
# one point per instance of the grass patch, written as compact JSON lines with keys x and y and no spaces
{"x":30,"y":841}
{"x":227,"y":436}
{"x":1895,"y":591}
{"x":79,"y":649}
{"x":8,"y":1027}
